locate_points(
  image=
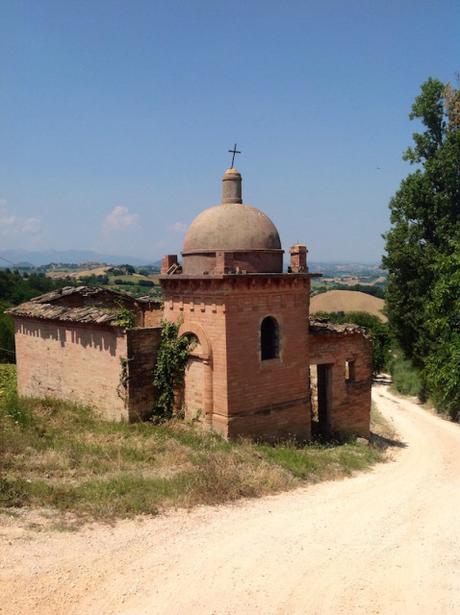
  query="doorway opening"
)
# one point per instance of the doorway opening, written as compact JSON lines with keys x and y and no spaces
{"x":320,"y":394}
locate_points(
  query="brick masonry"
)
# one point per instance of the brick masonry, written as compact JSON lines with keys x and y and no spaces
{"x":350,"y":402}
{"x":243,"y":395}
{"x":75,"y":362}
{"x":142,"y":349}
{"x":227,"y":384}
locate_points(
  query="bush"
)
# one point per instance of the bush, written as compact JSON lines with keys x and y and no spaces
{"x":169,"y":369}
{"x":406,"y":378}
{"x":7,"y":349}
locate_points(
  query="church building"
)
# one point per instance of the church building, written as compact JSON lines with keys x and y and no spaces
{"x":258,"y":366}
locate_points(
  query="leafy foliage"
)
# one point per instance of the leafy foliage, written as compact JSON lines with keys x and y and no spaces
{"x":126,"y":318}
{"x":405,"y":377}
{"x":169,"y":369}
{"x":7,"y":350}
{"x":16,"y":287}
{"x":442,"y":365}
{"x":423,"y":292}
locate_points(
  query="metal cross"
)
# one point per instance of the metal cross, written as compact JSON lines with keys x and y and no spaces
{"x":233,"y":151}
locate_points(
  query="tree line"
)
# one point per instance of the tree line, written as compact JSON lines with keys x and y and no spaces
{"x":423,"y":249}
{"x":15,"y":288}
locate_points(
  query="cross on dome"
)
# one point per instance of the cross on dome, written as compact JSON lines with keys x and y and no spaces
{"x":233,"y":151}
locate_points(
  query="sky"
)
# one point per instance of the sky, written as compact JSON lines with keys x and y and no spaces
{"x":116,"y":117}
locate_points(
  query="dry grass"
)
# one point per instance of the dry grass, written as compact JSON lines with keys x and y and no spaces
{"x":60,"y":456}
{"x":347,"y":301}
{"x":76,"y":273}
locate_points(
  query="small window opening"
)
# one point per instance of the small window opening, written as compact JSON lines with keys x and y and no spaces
{"x":349,"y":371}
{"x":269,"y":338}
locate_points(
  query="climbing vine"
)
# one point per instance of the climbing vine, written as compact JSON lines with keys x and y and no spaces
{"x":169,"y":369}
{"x":122,"y":387}
{"x":125,"y":318}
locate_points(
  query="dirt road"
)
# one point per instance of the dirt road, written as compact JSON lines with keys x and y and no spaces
{"x":383,"y":542}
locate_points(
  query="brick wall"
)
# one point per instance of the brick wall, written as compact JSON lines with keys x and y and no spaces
{"x":142,"y":345}
{"x":350,"y":402}
{"x":247,"y":396}
{"x":200,"y":308}
{"x":152,"y":316}
{"x":193,"y":396}
{"x":268,"y":398}
{"x":76,"y":362}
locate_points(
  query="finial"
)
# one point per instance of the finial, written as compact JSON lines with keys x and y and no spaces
{"x":231,"y":187}
{"x":233,"y":151}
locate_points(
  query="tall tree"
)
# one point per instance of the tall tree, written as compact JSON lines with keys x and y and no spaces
{"x":425,"y":218}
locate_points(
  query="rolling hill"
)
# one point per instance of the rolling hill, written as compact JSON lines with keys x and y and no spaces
{"x":347,"y":301}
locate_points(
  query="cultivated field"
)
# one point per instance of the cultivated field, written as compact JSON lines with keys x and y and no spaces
{"x":347,"y":301}
{"x":77,"y":273}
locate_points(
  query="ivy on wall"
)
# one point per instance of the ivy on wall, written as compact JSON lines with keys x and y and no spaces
{"x":170,"y":369}
{"x":125,"y":318}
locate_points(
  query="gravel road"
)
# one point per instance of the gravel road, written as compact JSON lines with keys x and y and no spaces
{"x":387,"y":541}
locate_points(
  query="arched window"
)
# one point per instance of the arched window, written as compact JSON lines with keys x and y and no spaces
{"x":269,"y":338}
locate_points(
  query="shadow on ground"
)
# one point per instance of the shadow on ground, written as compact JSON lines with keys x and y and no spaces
{"x":384,"y":442}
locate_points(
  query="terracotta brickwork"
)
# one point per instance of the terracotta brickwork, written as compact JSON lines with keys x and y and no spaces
{"x":350,"y":401}
{"x":199,"y":306}
{"x":193,"y":395}
{"x":152,"y":315}
{"x":243,"y":395}
{"x":76,"y":362}
{"x":142,"y":349}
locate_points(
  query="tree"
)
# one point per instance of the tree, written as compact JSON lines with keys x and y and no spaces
{"x":423,"y":240}
{"x":442,"y":365}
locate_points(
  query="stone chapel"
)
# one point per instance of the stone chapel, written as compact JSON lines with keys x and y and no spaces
{"x":259,"y":367}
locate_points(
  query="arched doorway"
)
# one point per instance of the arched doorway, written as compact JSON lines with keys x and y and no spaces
{"x":197,"y":390}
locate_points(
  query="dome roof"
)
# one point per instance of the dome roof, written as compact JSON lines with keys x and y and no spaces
{"x":231,"y":227}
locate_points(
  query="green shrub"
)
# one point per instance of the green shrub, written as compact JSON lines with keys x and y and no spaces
{"x":406,"y":378}
{"x":169,"y":369}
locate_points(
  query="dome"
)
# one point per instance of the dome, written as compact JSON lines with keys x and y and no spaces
{"x":232,"y":237}
{"x":231,"y":227}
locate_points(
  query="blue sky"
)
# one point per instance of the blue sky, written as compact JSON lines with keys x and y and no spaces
{"x":116,"y":117}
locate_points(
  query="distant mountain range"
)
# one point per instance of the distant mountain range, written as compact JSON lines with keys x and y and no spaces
{"x":44,"y":257}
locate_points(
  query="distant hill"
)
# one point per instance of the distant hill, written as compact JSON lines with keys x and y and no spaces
{"x":343,"y":269}
{"x":347,"y":301}
{"x":44,"y":257}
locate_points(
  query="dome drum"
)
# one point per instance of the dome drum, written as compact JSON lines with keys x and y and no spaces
{"x":237,"y":261}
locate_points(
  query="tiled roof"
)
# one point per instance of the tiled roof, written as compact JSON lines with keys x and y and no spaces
{"x":322,"y":326}
{"x":101,"y":305}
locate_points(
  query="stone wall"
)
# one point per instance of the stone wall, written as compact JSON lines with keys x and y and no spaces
{"x":350,"y":402}
{"x":142,"y":352}
{"x":75,"y":362}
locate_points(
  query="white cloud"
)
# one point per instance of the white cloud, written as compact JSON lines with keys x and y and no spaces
{"x":17,"y":225}
{"x":119,"y":219}
{"x":178,"y":227}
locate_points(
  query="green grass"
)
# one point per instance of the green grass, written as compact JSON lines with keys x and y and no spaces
{"x":406,"y":379}
{"x":60,"y":456}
